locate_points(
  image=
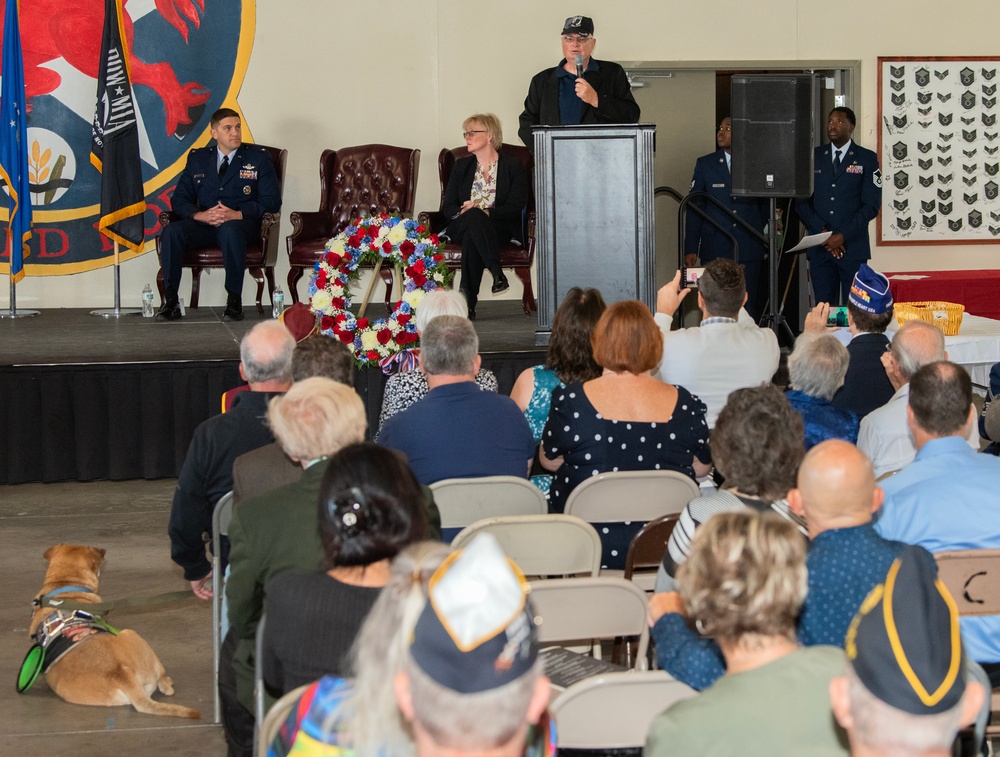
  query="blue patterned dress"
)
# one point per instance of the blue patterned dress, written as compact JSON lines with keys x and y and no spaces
{"x":537,"y":412}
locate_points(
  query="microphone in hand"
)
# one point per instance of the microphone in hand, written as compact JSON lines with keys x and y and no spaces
{"x":578,"y":59}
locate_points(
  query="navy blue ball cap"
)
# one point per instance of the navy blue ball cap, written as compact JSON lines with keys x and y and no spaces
{"x":582,"y":25}
{"x":904,"y":644}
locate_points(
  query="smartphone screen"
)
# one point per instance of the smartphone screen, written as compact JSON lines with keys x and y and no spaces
{"x":837,"y":317}
{"x":691,"y":276}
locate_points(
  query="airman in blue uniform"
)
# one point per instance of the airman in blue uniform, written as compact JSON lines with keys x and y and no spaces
{"x":847,"y":195}
{"x":220,"y":198}
{"x":713,"y":174}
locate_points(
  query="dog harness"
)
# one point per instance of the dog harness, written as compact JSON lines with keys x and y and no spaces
{"x":61,"y":631}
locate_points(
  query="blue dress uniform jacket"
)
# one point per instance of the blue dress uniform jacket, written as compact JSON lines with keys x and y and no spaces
{"x":249,"y":186}
{"x":712,"y":175}
{"x":843,"y":203}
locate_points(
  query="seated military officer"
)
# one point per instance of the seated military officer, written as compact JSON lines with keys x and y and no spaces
{"x":220,"y":198}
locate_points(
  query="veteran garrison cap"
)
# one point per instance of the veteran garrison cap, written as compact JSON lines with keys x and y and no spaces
{"x":477,"y":631}
{"x":904,"y":644}
{"x":870,"y":291}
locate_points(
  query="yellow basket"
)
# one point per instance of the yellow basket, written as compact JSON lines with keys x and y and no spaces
{"x":947,"y":316}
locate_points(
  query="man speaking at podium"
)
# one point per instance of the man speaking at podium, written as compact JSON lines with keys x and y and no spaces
{"x":580,"y":90}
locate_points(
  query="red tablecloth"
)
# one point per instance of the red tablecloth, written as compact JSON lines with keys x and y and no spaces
{"x":979,"y":291}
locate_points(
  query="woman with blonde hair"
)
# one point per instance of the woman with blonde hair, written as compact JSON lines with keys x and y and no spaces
{"x":484,"y":202}
{"x":743,"y":585}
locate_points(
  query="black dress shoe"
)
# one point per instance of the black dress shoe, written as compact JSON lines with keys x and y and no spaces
{"x":472,"y":314}
{"x":500,"y":283}
{"x":234,"y":309}
{"x":171,"y":311}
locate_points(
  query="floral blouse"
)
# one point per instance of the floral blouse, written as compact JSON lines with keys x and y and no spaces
{"x":484,"y":186}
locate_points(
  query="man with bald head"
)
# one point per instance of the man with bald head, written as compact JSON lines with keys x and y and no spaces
{"x":884,"y":435}
{"x":837,"y":496}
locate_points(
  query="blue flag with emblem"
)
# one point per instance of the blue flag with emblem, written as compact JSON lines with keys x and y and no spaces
{"x":115,"y":139}
{"x":14,"y":144}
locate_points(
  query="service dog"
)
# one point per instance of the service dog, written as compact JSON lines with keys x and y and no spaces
{"x":102,"y":668}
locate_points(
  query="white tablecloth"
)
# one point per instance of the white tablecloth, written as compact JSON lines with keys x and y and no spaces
{"x":977,"y":347}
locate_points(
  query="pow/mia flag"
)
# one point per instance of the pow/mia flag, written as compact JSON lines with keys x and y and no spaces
{"x":115,"y":140}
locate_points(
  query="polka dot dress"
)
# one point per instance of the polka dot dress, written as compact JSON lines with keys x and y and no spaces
{"x":591,"y":444}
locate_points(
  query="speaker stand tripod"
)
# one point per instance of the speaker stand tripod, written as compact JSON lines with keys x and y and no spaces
{"x":774,"y":315}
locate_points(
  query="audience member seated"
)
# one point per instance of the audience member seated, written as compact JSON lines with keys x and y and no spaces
{"x":743,"y":585}
{"x":278,"y":531}
{"x":268,"y":467}
{"x":338,"y":716}
{"x":728,"y":351}
{"x":946,"y":498}
{"x":816,"y":370}
{"x":989,"y":419}
{"x":869,"y":313}
{"x":568,"y":359}
{"x":472,"y":684}
{"x":904,"y":691}
{"x":300,"y":322}
{"x":370,"y":507}
{"x":458,"y":431}
{"x":757,"y":447}
{"x":207,"y":473}
{"x":884,"y":435}
{"x":485,"y":200}
{"x":624,"y":420}
{"x":406,"y":387}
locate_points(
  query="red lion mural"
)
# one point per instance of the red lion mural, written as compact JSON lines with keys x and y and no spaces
{"x":52,"y":29}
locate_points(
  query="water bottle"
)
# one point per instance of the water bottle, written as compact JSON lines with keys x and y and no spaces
{"x":148,"y":311}
{"x":277,"y":302}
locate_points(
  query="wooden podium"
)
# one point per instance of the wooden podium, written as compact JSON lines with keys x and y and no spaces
{"x":594,"y":203}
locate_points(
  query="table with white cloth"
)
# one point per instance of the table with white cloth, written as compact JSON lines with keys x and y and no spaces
{"x":977,"y":347}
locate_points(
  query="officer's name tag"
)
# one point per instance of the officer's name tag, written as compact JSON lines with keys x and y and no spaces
{"x":718,"y":186}
{"x":855,"y":169}
{"x":246,"y":173}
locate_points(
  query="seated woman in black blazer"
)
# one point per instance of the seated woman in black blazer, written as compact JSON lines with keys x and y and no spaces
{"x":485,"y":200}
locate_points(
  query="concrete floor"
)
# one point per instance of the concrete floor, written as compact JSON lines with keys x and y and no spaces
{"x":129,"y":519}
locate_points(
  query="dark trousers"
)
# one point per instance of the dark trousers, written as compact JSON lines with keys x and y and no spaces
{"x":480,"y":237}
{"x":231,"y":237}
{"x":831,"y":278}
{"x":237,"y":721}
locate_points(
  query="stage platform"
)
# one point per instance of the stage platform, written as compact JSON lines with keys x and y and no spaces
{"x":86,"y":398}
